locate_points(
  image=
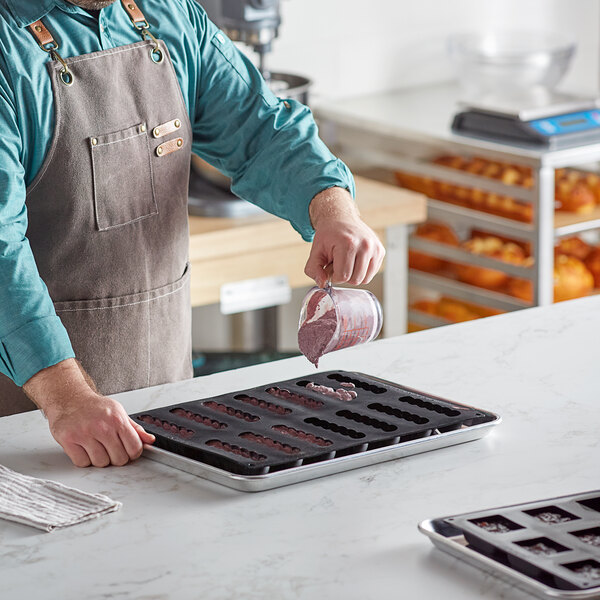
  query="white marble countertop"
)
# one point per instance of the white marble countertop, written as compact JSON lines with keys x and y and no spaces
{"x":352,"y":535}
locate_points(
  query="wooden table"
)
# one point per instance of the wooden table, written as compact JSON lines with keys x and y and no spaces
{"x":225,"y":250}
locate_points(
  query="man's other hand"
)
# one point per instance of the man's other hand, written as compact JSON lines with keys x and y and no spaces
{"x":91,"y":428}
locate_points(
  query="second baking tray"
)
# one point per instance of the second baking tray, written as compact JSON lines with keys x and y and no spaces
{"x":286,"y":432}
{"x":549,"y":547}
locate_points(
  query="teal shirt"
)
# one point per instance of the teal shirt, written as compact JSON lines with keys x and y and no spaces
{"x":272,"y":153}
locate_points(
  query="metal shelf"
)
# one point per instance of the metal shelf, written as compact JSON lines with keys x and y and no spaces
{"x":421,"y":318}
{"x":570,"y":224}
{"x":447,"y":252}
{"x":437,"y":209}
{"x":565,"y":223}
{"x":464,"y":291}
{"x":403,"y":163}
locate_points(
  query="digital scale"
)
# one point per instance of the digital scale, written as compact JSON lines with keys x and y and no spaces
{"x":550,"y":123}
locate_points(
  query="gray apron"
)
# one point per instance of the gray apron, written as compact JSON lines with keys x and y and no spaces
{"x":108,"y":215}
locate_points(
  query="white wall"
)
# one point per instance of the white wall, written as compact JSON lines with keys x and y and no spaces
{"x":352,"y":47}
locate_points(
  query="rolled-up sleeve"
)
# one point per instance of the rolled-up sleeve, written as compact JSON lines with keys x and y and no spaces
{"x":269,"y":147}
{"x":32,"y":336}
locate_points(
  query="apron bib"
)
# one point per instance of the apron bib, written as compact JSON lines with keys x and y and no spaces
{"x":107,"y":213}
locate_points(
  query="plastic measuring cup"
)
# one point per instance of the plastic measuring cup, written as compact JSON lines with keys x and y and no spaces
{"x":336,"y":318}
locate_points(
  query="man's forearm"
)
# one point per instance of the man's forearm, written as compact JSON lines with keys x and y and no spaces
{"x":54,"y":386}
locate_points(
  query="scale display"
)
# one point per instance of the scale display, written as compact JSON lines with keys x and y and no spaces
{"x":549,"y":132}
{"x":564,"y":124}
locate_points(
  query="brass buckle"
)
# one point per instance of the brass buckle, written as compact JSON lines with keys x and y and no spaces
{"x":140,"y":25}
{"x":156,"y":54}
{"x":65,"y":75}
{"x":52,"y":49}
{"x":50,"y":46}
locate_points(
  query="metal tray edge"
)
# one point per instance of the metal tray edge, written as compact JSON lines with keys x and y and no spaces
{"x":506,"y":574}
{"x":259,"y":483}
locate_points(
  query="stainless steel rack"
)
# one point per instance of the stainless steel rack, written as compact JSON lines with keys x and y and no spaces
{"x":405,"y":130}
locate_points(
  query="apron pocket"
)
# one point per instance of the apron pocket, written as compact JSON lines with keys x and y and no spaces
{"x":122,"y":177}
{"x":131,"y":342}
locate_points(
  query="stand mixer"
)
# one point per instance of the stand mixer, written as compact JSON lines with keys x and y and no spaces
{"x":255,"y":23}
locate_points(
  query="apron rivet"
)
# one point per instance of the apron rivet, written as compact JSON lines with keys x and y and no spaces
{"x":130,"y":6}
{"x":177,"y":123}
{"x":180,"y":142}
{"x":38,"y":28}
{"x":94,"y":142}
{"x":156,"y":132}
{"x":142,"y":128}
{"x":159,"y":151}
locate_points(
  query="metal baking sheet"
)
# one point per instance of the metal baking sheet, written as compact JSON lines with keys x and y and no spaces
{"x":448,"y":534}
{"x":303,"y":421}
{"x":259,"y":483}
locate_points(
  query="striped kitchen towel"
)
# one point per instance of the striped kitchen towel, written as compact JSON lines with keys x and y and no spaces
{"x":48,"y":504}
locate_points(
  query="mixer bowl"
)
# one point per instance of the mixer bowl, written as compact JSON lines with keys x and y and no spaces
{"x":510,"y":62}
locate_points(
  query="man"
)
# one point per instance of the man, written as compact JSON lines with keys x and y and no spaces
{"x":101,"y":104}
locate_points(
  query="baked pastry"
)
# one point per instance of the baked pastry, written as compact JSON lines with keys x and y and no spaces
{"x":436,"y":232}
{"x":592,"y":180}
{"x":425,"y":306}
{"x":451,"y":161}
{"x":492,"y":247}
{"x":511,"y":176}
{"x":571,"y":278}
{"x":452,"y":310}
{"x":416,"y":183}
{"x":475,"y":165}
{"x":573,"y":195}
{"x":493,"y":170}
{"x":455,"y":311}
{"x":525,"y":246}
{"x":592,"y":262}
{"x":522,"y":211}
{"x":574,"y":246}
{"x":520,"y":288}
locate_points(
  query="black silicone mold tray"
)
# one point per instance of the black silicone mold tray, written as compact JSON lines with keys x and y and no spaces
{"x":555,"y":542}
{"x":286,"y":424}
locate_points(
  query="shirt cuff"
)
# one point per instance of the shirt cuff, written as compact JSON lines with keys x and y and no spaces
{"x":34,"y":346}
{"x":337,"y":174}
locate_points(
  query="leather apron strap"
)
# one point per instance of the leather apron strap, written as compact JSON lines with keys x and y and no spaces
{"x":46,"y":40}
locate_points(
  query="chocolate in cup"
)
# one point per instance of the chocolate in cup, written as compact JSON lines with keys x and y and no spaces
{"x":336,"y":318}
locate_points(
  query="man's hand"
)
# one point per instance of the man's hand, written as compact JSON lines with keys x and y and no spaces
{"x":344,"y":249}
{"x":92,"y":429}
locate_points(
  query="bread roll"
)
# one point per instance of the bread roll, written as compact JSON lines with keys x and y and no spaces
{"x":592,"y":262}
{"x":492,"y":247}
{"x":574,"y":197}
{"x":574,"y":246}
{"x":571,"y":278}
{"x":436,"y":232}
